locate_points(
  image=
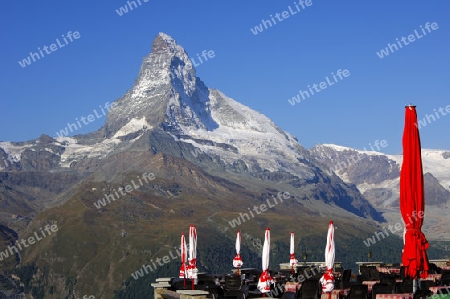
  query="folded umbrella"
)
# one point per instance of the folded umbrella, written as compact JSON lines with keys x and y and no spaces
{"x":192,"y":267}
{"x":292,"y":260}
{"x":237,"y":261}
{"x":265,"y":280}
{"x":183,"y":258}
{"x":412,"y":203}
{"x":327,"y":279}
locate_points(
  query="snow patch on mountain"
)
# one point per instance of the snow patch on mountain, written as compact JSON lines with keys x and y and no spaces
{"x":133,"y":126}
{"x":384,"y":194}
{"x":50,"y":150}
{"x":340,"y":148}
{"x":64,"y":140}
{"x":75,"y":151}
{"x":433,"y":161}
{"x":14,"y":151}
{"x":254,"y":136}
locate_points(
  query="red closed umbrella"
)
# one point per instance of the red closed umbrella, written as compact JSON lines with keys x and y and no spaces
{"x":412,"y":205}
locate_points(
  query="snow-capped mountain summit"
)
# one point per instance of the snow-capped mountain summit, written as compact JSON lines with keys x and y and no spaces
{"x":168,"y":94}
{"x":166,"y":90}
{"x":169,"y":110}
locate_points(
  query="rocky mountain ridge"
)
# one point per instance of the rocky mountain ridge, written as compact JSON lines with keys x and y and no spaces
{"x":377,"y":177}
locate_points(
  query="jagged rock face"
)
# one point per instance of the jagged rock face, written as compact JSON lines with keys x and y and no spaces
{"x":380,"y":196}
{"x":377,"y":175}
{"x":38,"y":155}
{"x":435,"y":193}
{"x":358,"y":167}
{"x":166,"y":90}
{"x":7,"y":162}
{"x":45,"y":155}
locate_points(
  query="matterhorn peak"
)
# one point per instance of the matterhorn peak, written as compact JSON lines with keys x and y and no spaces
{"x":167,"y":53}
{"x":165,"y":43}
{"x":166,"y":90}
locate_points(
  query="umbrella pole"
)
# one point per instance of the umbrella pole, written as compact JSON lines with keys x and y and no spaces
{"x":416,"y":282}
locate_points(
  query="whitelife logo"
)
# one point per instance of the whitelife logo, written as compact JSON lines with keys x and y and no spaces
{"x":11,"y":159}
{"x":430,"y":117}
{"x":393,"y":229}
{"x":323,"y":85}
{"x":124,"y":9}
{"x":71,"y":36}
{"x":161,"y":262}
{"x":90,"y":118}
{"x":128,"y":189}
{"x":284,"y":15}
{"x":263,"y":208}
{"x":411,"y":38}
{"x":31,"y":240}
{"x":342,"y":165}
{"x":205,"y":56}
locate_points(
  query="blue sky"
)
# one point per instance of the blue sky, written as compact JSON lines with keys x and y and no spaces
{"x":261,"y":71}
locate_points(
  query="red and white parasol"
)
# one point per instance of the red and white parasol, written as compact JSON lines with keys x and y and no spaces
{"x":183,"y":257}
{"x":237,"y":261}
{"x":327,"y":280}
{"x":265,"y":280}
{"x":292,"y":260}
{"x":192,"y":267}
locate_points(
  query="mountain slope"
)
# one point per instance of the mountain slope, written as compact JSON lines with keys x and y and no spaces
{"x":214,"y":160}
{"x":167,"y":99}
{"x":377,"y":176}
